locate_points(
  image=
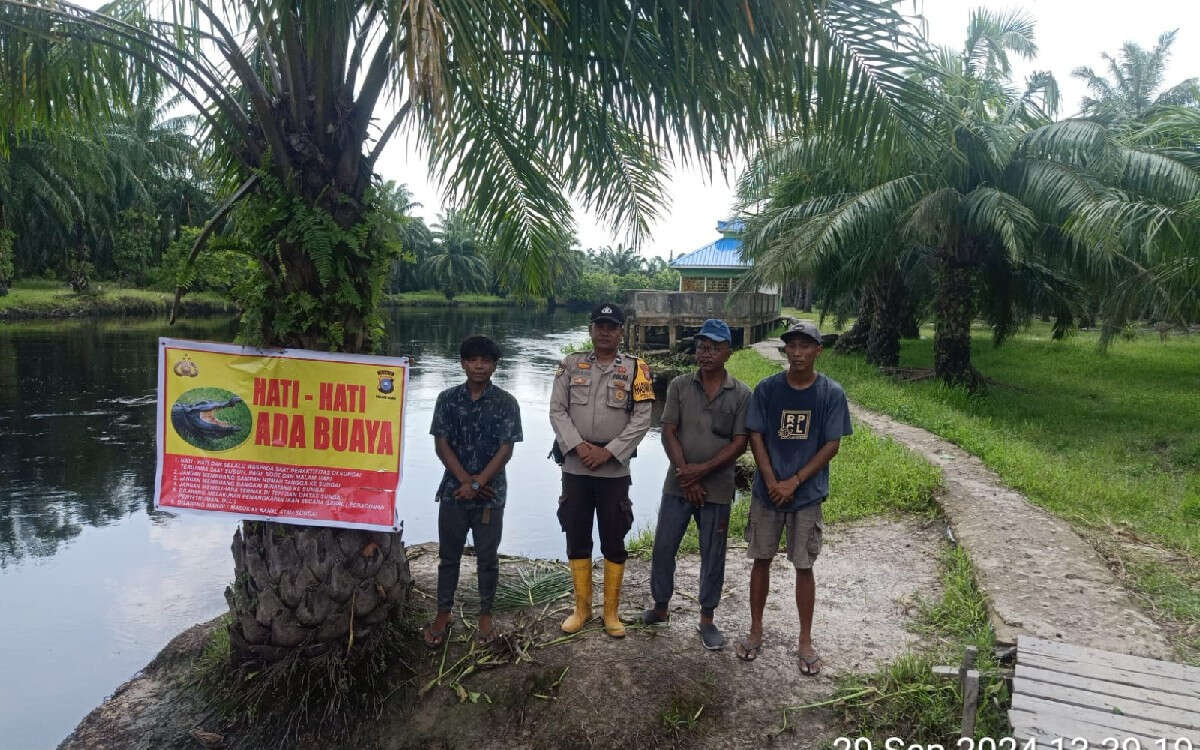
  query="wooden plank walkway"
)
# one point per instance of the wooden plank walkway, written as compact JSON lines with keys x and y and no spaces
{"x":1061,"y":690}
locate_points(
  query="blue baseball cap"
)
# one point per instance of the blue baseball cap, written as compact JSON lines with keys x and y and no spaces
{"x":715,"y":330}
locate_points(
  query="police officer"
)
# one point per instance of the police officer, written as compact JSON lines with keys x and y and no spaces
{"x":600,"y":410}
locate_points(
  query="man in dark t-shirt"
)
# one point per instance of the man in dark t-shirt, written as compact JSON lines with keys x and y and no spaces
{"x":796,"y":422}
{"x":474,"y":427}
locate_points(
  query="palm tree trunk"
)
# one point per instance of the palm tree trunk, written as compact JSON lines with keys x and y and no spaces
{"x":855,"y":340}
{"x":304,"y":592}
{"x":883,"y":339}
{"x":952,"y":335}
{"x":311,"y":590}
{"x":909,"y":327}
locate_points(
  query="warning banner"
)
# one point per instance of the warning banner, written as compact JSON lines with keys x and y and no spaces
{"x":290,"y":435}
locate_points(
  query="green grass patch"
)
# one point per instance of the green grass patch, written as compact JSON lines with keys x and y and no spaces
{"x":873,"y":475}
{"x":434,"y":298}
{"x":750,"y":367}
{"x":38,"y":298}
{"x":904,"y":699}
{"x":1097,"y":438}
{"x":1109,"y":441}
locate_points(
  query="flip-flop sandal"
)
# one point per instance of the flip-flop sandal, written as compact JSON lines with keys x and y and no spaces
{"x":486,"y":639}
{"x":810,"y":665}
{"x":435,"y":638}
{"x":746,"y":650}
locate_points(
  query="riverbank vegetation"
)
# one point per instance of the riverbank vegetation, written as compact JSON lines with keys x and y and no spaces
{"x":454,"y":260}
{"x":32,"y":300}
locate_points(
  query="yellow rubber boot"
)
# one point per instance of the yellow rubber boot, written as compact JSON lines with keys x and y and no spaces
{"x":613,"y":573}
{"x":581,"y":571}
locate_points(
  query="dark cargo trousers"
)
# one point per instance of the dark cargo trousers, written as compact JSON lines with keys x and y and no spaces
{"x":455,"y":519}
{"x":712,"y":521}
{"x":604,"y":500}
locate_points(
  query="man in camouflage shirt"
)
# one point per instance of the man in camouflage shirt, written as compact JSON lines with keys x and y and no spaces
{"x":475,"y":425}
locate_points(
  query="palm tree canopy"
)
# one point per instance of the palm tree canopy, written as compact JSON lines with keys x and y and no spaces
{"x":518,"y":104}
{"x":1132,"y":87}
{"x":1030,"y":207}
{"x":456,"y":262}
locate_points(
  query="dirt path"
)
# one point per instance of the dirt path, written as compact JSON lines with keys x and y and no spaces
{"x":1040,"y":577}
{"x":655,"y":688}
{"x":621,"y":693}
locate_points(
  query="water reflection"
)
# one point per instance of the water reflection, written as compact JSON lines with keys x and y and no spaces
{"x":76,"y":428}
{"x":101,"y":581}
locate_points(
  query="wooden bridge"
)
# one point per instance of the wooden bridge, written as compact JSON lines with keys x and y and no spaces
{"x":1106,"y":699}
{"x":656,"y":318}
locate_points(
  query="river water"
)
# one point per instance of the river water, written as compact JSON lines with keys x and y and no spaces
{"x":93,"y":581}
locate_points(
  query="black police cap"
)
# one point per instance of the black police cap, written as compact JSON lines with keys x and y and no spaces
{"x":610,"y":312}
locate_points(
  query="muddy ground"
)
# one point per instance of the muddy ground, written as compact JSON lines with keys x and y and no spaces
{"x":654,"y":688}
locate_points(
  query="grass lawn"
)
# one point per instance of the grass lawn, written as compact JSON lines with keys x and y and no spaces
{"x":1109,"y":441}
{"x":433,"y":298}
{"x":40,"y":298}
{"x":1101,"y":439}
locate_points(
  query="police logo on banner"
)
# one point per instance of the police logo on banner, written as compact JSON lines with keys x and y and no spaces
{"x":387,"y":381}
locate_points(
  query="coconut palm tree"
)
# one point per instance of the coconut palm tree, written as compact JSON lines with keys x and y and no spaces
{"x":518,"y":104}
{"x":1131,"y":90}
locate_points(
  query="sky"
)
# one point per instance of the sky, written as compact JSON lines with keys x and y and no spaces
{"x":1070,"y":33}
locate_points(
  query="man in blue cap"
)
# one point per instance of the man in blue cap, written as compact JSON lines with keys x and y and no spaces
{"x":704,"y":431}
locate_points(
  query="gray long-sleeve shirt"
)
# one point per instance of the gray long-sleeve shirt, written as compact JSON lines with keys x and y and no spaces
{"x":590,"y":402}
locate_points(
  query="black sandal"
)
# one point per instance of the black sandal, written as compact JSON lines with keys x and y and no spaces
{"x":435,"y":638}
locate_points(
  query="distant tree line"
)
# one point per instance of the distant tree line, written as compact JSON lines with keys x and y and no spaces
{"x":125,"y":203}
{"x":453,"y":258}
{"x":100,"y":199}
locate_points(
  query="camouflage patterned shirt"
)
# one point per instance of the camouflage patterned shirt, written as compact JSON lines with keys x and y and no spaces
{"x":475,"y":430}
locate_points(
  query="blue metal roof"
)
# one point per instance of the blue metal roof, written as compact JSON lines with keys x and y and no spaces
{"x":724,"y":253}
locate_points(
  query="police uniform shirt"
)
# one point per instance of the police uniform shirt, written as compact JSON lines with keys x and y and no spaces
{"x":590,"y":401}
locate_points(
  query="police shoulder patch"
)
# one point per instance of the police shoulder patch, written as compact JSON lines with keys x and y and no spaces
{"x":643,"y":385}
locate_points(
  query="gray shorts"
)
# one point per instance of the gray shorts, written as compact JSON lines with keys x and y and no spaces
{"x":804,"y":529}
